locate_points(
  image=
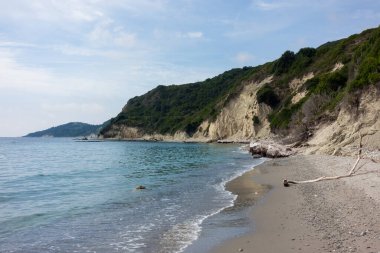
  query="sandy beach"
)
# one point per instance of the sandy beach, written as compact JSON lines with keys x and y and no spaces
{"x":330,"y":216}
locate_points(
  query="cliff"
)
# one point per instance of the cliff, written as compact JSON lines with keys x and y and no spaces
{"x":318,"y":98}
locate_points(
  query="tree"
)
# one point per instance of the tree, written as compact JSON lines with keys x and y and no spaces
{"x":284,"y":63}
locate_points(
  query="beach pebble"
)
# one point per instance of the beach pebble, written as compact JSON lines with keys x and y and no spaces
{"x":363,"y":233}
{"x":240,"y":250}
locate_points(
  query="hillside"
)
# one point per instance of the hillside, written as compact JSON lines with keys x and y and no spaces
{"x":72,"y":129}
{"x":168,"y":109}
{"x":295,"y":98}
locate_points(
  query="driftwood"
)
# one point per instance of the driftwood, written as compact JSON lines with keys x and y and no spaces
{"x":271,"y":150}
{"x":352,"y":172}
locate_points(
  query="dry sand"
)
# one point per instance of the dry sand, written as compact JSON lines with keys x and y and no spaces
{"x":329,"y":216}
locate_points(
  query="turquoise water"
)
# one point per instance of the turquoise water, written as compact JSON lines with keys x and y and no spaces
{"x":58,"y":195}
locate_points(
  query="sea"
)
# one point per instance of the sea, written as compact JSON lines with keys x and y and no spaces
{"x":63,"y":195}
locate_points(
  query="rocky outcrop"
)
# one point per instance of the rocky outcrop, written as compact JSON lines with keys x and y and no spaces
{"x":341,"y":136}
{"x":296,"y":86}
{"x":235,"y":121}
{"x":269,"y":149}
{"x":123,"y":132}
{"x":132,"y":133}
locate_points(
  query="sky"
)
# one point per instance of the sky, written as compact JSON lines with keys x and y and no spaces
{"x":81,"y":60}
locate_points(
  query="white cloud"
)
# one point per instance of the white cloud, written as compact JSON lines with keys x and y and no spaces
{"x":89,"y":52}
{"x":125,"y":39}
{"x":52,"y":11}
{"x":101,"y":32}
{"x":105,"y":33}
{"x":142,"y":6}
{"x":74,"y":10}
{"x":267,"y":6}
{"x":16,"y":44}
{"x":243,"y":58}
{"x":190,"y":35}
{"x":194,"y":35}
{"x":16,"y":76}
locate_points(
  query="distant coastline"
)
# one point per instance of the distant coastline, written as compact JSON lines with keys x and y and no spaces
{"x":71,"y":129}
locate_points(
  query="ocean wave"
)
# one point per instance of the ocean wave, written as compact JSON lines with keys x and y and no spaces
{"x":132,"y":240}
{"x":182,"y":235}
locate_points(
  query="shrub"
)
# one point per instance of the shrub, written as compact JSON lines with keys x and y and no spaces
{"x":284,"y":63}
{"x":282,"y":118}
{"x":267,"y":95}
{"x":330,"y":82}
{"x":369,"y":73}
{"x":307,"y":51}
{"x":312,"y":83}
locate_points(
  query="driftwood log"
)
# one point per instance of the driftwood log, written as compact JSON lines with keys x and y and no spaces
{"x":352,"y":172}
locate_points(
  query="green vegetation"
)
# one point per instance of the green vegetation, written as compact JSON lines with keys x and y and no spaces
{"x":72,"y":129}
{"x":360,"y":55}
{"x":267,"y":95}
{"x":281,"y":119}
{"x":369,"y":73}
{"x":285,"y":62}
{"x":167,"y":109}
{"x":292,"y":64}
{"x":367,"y":60}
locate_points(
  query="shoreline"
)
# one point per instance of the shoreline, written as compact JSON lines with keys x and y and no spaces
{"x":330,"y":216}
{"x":198,"y":141}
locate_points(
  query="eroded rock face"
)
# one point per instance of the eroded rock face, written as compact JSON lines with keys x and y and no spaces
{"x":296,"y":86}
{"x":341,"y":137}
{"x":235,"y":121}
{"x":122,"y":132}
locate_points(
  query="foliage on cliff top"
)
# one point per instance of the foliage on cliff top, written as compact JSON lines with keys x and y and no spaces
{"x":360,"y":56}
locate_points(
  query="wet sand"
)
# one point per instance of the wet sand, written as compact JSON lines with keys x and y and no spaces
{"x":329,"y":216}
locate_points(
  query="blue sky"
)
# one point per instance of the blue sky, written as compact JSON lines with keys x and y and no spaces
{"x":81,"y":60}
